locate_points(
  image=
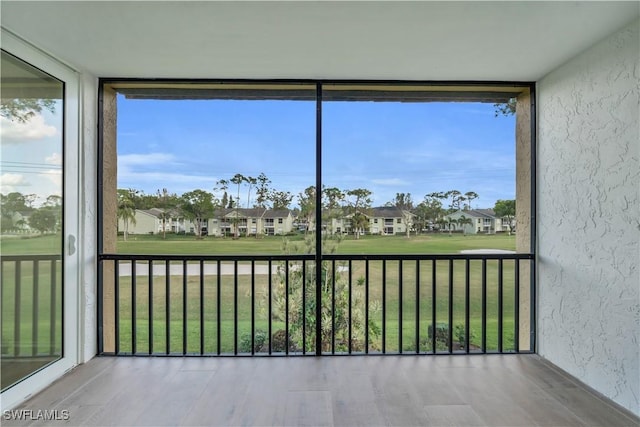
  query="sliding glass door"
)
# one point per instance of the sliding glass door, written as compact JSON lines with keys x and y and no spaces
{"x":39,"y":271}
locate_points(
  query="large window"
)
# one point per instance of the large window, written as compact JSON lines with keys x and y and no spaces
{"x":378,"y":174}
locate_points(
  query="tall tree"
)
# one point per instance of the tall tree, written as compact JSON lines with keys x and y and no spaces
{"x":126,"y":208}
{"x":307,"y":203}
{"x":222,"y":185}
{"x":455,"y":199}
{"x":54,"y":202}
{"x":163,"y":201}
{"x":43,"y":219}
{"x":404,"y":203}
{"x":430,"y":209}
{"x":251,"y":181}
{"x":359,"y":202}
{"x":237,"y":179}
{"x":469,"y":197}
{"x":262,"y":191}
{"x":505,"y":108}
{"x":506,"y":209}
{"x":198,"y":206}
{"x":280,"y":199}
{"x":21,"y":110}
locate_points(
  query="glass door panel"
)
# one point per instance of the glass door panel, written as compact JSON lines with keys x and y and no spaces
{"x":31,"y":244}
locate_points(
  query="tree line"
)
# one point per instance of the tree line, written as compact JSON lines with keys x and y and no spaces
{"x":236,"y":192}
{"x":17,"y":211}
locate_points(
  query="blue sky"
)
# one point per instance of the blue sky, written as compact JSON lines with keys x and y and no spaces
{"x":31,"y":155}
{"x":385,"y":147}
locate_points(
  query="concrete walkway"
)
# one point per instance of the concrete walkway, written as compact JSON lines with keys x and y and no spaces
{"x":486,"y":251}
{"x":210,"y":269}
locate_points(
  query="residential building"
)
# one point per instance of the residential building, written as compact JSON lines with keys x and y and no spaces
{"x":150,"y":221}
{"x":251,"y":222}
{"x":482,"y":221}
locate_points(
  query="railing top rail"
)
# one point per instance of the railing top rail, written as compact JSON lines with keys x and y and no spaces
{"x":311,"y":257}
{"x":30,"y":257}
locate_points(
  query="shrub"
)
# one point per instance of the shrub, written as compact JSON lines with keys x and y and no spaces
{"x":341,"y":314}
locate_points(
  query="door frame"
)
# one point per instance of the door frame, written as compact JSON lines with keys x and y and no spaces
{"x":71,"y":332}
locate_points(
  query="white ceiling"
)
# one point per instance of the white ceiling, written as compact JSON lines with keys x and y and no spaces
{"x":510,"y":41}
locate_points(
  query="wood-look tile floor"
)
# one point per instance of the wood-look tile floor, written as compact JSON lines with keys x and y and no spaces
{"x":492,"y":390}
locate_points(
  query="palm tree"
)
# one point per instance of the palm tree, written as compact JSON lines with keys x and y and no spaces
{"x":237,"y":179}
{"x":451,"y":222}
{"x":462,"y":221}
{"x":126,"y":210}
{"x":251,"y":181}
{"x":163,"y":195}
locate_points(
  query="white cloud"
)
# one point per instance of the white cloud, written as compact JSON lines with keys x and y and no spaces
{"x":55,"y":177}
{"x":33,"y":130}
{"x":54,"y":159}
{"x":390,"y":181}
{"x":10,"y":182}
{"x":127,"y":160}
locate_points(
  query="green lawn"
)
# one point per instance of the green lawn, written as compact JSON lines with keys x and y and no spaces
{"x":436,"y":243}
{"x":431,"y":243}
{"x":180,"y":244}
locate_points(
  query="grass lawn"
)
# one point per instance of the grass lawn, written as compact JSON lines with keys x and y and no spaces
{"x":431,"y":243}
{"x":393,"y":305}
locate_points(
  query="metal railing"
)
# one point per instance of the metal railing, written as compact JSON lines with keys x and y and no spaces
{"x":31,"y":295}
{"x":266,"y":304}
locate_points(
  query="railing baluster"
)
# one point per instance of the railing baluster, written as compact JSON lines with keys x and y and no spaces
{"x":16,"y":309}
{"x":201,"y":307}
{"x":167,"y":318}
{"x":366,"y":306}
{"x":434,"y":281}
{"x":516,"y":314}
{"x":270,"y":326}
{"x":52,"y":313}
{"x":304,"y":306}
{"x":116,"y":305}
{"x":34,"y":313}
{"x":150,"y":306}
{"x":400,"y":306}
{"x":350,"y":295}
{"x":450,"y":340}
{"x":235,"y":307}
{"x":333,"y":306}
{"x":467,"y":295}
{"x":500,"y":305}
{"x":532,"y":305}
{"x":384,"y":306}
{"x":484,"y":305}
{"x":133,"y":306}
{"x":286,"y":305}
{"x":253,"y":307}
{"x":3,"y":292}
{"x":417,"y":306}
{"x":218,"y":306}
{"x":185,"y":275}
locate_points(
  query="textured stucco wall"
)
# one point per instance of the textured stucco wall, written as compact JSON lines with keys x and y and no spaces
{"x":589,"y":217}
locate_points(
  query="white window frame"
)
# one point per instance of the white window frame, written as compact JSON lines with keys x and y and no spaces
{"x":37,"y":381}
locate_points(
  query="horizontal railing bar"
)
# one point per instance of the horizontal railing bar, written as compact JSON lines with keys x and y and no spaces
{"x":9,"y":258}
{"x":172,"y":257}
{"x":299,"y":354}
{"x":301,"y":257}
